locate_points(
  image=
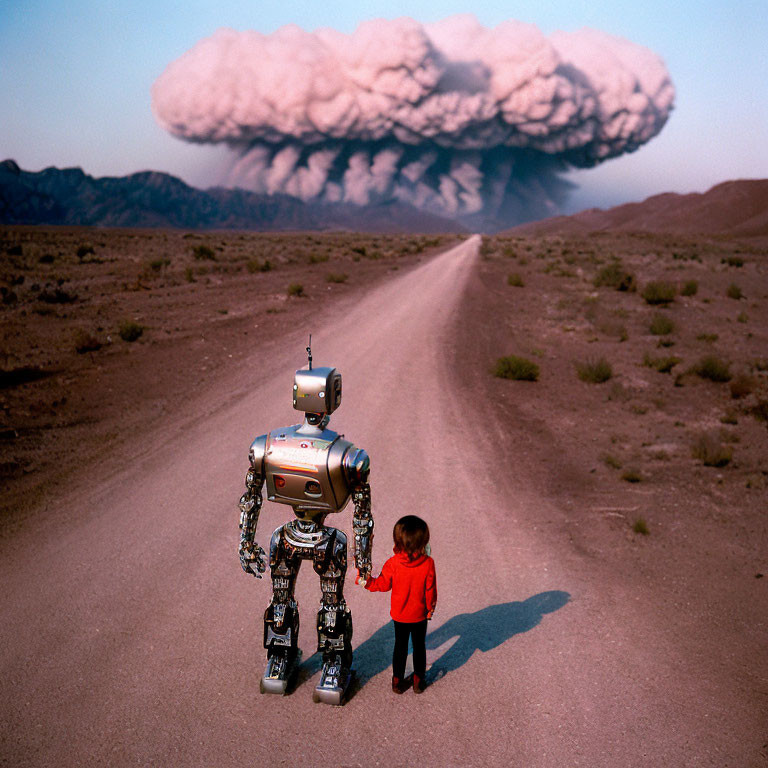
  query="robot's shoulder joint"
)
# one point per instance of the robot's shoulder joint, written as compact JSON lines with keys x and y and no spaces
{"x":257,"y":450}
{"x":357,"y":465}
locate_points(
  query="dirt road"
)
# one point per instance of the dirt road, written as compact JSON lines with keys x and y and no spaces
{"x":130,"y":635}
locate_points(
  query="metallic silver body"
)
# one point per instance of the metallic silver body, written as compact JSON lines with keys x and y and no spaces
{"x":315,"y":471}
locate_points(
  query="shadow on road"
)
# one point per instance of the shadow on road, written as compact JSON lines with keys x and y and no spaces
{"x":482,"y":630}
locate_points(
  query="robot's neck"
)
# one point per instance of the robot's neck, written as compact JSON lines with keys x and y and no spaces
{"x":313,"y":430}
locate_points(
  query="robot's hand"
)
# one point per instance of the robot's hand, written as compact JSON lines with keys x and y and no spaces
{"x":252,"y":560}
{"x":362,"y":579}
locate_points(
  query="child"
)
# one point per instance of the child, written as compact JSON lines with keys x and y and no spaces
{"x":410,"y":574}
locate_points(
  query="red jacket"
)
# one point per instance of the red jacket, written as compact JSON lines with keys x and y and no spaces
{"x":413,"y":584}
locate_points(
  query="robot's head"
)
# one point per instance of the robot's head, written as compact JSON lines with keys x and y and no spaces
{"x":317,"y":390}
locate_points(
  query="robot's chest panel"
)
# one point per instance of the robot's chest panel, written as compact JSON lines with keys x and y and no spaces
{"x":306,"y":473}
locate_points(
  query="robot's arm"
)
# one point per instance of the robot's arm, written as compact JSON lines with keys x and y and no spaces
{"x":358,"y":469}
{"x":251,"y":554}
{"x":362,"y":525}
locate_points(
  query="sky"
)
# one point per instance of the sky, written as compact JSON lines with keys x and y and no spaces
{"x":75,"y":81}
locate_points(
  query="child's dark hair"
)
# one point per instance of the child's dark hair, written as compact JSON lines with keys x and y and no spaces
{"x":411,"y":535}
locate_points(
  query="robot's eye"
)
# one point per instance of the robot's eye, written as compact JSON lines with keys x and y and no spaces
{"x":312,"y":487}
{"x":279,"y":481}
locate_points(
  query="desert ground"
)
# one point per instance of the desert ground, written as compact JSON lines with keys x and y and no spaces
{"x":582,"y":421}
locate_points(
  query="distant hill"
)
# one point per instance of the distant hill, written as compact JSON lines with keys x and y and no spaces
{"x":151,"y":199}
{"x":735,"y":208}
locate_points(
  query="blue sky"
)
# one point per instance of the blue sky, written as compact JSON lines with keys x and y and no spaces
{"x":75,"y":81}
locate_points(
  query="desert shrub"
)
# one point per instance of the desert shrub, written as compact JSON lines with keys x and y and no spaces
{"x":742,"y":317}
{"x":713,"y":368}
{"x":708,"y":449}
{"x":660,"y":364}
{"x":296,"y":289}
{"x":661,"y":325}
{"x":157,"y":264}
{"x":665,"y":343}
{"x":760,"y":410}
{"x":359,"y":249}
{"x":641,"y":527}
{"x":130,"y":331}
{"x":659,"y":292}
{"x":708,"y":337}
{"x":317,"y":258}
{"x":729,"y":417}
{"x":615,"y":276}
{"x":56,"y":295}
{"x":254,"y":265}
{"x":189,"y":275}
{"x":594,"y":371}
{"x":203,"y":253}
{"x":46,"y":258}
{"x":734,"y":261}
{"x":515,"y":279}
{"x":631,"y":475}
{"x":517,"y":368}
{"x":611,"y":461}
{"x":733,"y":291}
{"x":337,"y":277}
{"x":690,"y":288}
{"x":83,"y":250}
{"x":741,"y":386}
{"x":86,"y":342}
{"x":15,"y":250}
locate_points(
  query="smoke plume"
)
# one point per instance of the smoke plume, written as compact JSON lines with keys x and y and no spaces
{"x":463,"y":121}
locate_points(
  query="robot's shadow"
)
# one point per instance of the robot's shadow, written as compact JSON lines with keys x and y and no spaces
{"x":480,"y":631}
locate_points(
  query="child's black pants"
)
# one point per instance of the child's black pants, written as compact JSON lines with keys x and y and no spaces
{"x":417,"y":632}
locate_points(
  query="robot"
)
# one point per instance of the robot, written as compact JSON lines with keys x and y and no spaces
{"x":315,"y":471}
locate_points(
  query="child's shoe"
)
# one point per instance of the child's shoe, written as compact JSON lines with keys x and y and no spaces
{"x":401,"y":684}
{"x":419,"y":684}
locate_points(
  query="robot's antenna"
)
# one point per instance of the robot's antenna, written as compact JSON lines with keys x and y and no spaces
{"x":309,"y":352}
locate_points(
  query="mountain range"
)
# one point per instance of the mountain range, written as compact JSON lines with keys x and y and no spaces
{"x":152,"y":199}
{"x":69,"y":196}
{"x":733,"y":208}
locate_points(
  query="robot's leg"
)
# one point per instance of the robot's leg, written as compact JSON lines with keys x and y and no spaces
{"x":334,"y":621}
{"x":281,"y":619}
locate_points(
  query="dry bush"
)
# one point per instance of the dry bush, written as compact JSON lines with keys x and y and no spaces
{"x":690,"y":288}
{"x":203,"y":253}
{"x":130,"y":331}
{"x":660,"y":364}
{"x":615,"y":276}
{"x":515,"y":279}
{"x":734,"y":292}
{"x":594,"y":371}
{"x":631,"y":475}
{"x":708,"y":449}
{"x":517,"y":368}
{"x":661,"y":325}
{"x":86,"y":342}
{"x":296,"y":289}
{"x":659,"y":292}
{"x":641,"y":527}
{"x":337,"y":277}
{"x":713,"y":368}
{"x":611,"y":461}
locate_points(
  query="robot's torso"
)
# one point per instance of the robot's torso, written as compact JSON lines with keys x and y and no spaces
{"x":312,"y":469}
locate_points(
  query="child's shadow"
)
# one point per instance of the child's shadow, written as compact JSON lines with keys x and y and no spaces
{"x":483,"y":630}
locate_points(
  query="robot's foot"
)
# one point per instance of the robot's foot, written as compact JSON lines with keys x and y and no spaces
{"x":335,"y":680}
{"x":279,"y":673}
